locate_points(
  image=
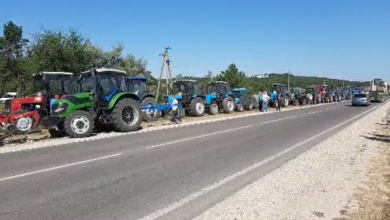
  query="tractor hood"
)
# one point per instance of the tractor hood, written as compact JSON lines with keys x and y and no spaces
{"x":78,"y":98}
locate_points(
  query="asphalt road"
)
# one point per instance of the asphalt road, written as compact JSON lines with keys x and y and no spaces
{"x":168,"y":174}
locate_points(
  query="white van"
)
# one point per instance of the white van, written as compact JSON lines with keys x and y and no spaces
{"x":7,"y":96}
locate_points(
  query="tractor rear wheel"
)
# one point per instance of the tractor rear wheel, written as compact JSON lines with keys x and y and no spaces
{"x":148,"y":116}
{"x":213,"y":109}
{"x":228,"y":105}
{"x":285,"y":102}
{"x":79,"y":124}
{"x":249,"y":105}
{"x":127,"y":115}
{"x":197,"y":107}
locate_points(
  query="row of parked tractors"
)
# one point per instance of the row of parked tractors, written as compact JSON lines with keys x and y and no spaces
{"x":101,"y":98}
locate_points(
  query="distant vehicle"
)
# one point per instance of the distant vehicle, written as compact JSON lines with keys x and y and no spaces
{"x":361,"y":99}
{"x":8,"y":96}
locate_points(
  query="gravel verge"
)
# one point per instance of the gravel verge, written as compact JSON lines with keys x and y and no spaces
{"x":43,"y":139}
{"x":372,"y":199}
{"x":315,"y":185}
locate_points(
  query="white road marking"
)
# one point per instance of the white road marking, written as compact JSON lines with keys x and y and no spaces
{"x":158,"y":213}
{"x":58,"y":167}
{"x":197,"y":137}
{"x":221,"y":132}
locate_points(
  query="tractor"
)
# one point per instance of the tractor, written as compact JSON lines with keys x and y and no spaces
{"x":220,"y":97}
{"x":103,"y":99}
{"x":22,"y":115}
{"x":137,"y":86}
{"x":349,"y":91}
{"x":189,"y":96}
{"x":298,"y":96}
{"x":326,"y":93}
{"x":282,"y":89}
{"x":241,"y":96}
{"x":313,"y":95}
{"x":336,"y":94}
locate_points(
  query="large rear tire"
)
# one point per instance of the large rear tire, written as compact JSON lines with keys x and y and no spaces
{"x":228,"y":105}
{"x":127,"y":115}
{"x":197,"y":107}
{"x":79,"y":124}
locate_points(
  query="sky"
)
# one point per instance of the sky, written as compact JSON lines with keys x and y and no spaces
{"x":345,"y":39}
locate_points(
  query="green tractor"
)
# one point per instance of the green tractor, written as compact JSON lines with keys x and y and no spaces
{"x":103,"y":99}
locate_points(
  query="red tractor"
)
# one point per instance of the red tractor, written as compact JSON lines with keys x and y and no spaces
{"x":326,"y":94}
{"x":21,"y":115}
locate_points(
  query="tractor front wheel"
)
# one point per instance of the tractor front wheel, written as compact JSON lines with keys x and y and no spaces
{"x":127,"y":115}
{"x":240,"y":108}
{"x":197,"y":107}
{"x":79,"y":124}
{"x":213,"y":109}
{"x":228,"y":104}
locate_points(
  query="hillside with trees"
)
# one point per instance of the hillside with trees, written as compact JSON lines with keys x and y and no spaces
{"x":57,"y":50}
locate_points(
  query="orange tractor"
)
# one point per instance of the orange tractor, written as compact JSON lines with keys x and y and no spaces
{"x":22,"y":115}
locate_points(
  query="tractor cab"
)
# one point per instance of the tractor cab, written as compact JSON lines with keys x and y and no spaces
{"x":103,"y":83}
{"x":185,"y":90}
{"x":46,"y":86}
{"x":138,"y":86}
{"x":278,"y":88}
{"x":189,"y":95}
{"x":240,"y":93}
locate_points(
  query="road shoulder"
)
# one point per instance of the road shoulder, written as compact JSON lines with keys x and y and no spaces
{"x":317,"y":184}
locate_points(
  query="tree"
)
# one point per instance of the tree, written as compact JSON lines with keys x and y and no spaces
{"x":13,"y":48}
{"x":60,"y":51}
{"x":232,"y":75}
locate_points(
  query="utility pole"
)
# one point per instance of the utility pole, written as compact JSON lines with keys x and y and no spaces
{"x":165,"y":59}
{"x":288,"y":80}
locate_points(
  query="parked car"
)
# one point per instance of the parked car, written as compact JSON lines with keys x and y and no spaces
{"x":8,"y":96}
{"x":360,"y":99}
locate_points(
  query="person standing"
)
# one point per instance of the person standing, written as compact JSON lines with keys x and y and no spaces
{"x":266,"y":99}
{"x":175,"y":111}
{"x":260,"y":101}
{"x":279,"y":100}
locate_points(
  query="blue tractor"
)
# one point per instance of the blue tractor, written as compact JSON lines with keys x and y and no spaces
{"x":189,"y":95}
{"x":349,"y":91}
{"x":220,"y":97}
{"x":242,"y":98}
{"x":282,"y":89}
{"x":138,"y":86}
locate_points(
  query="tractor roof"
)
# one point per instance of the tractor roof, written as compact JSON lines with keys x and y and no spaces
{"x":185,"y":80}
{"x":239,"y":89}
{"x":215,"y":82}
{"x":278,"y":84}
{"x":138,"y":78}
{"x":100,"y":70}
{"x":54,"y":73}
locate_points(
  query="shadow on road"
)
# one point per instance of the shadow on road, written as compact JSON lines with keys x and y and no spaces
{"x":1,"y":142}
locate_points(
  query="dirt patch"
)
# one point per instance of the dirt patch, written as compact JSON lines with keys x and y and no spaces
{"x":373,"y":196}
